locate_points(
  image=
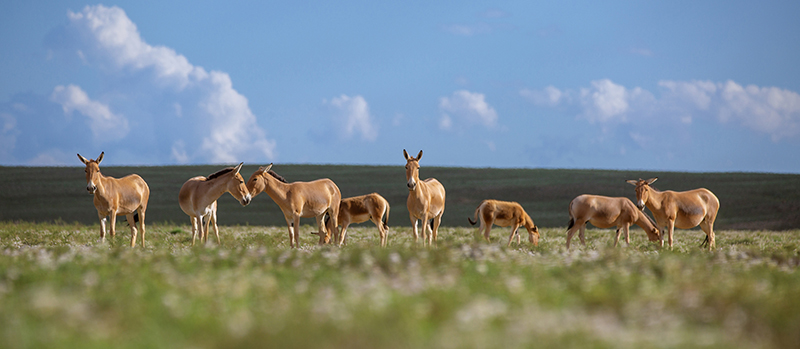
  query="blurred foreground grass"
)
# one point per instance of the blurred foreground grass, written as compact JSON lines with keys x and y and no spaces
{"x":61,"y":287}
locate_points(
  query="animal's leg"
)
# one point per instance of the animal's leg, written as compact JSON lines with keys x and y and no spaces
{"x":414,"y":226}
{"x":290,"y":226}
{"x":296,"y":230}
{"x":437,"y":221}
{"x":129,"y":218}
{"x":333,"y":225}
{"x":709,"y":230}
{"x":343,"y":232}
{"x":320,"y":230}
{"x":671,"y":229}
{"x":616,"y":238}
{"x":487,"y":228}
{"x":141,"y":224}
{"x":425,"y":221}
{"x":205,"y":229}
{"x":113,"y":223}
{"x":582,"y":234}
{"x":214,"y":224}
{"x":571,"y":232}
{"x":195,"y":227}
{"x":102,"y":226}
{"x":381,"y":229}
{"x":627,"y":229}
{"x":514,"y":229}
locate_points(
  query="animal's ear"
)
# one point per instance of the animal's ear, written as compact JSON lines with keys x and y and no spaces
{"x":267,"y":168}
{"x":405,"y":154}
{"x":100,"y":158}
{"x":632,"y":182}
{"x":419,"y":156}
{"x":238,"y":168}
{"x":83,"y":159}
{"x":651,"y":180}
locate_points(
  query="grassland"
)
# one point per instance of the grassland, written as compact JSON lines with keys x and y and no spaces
{"x":61,"y":287}
{"x":748,"y":200}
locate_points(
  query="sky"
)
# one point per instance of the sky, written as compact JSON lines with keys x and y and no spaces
{"x":701,"y":86}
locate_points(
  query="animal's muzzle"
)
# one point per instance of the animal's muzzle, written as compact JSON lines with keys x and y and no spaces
{"x":640,"y":205}
{"x":246,"y":200}
{"x":91,"y":188}
{"x":411,"y":185}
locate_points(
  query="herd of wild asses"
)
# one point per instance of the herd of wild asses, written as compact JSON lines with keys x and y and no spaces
{"x":322,"y":199}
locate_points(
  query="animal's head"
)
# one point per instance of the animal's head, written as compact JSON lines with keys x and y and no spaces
{"x":642,"y":190}
{"x":235,"y":183}
{"x":258,"y":180}
{"x":533,"y":236}
{"x":92,"y":172}
{"x":412,"y":170}
{"x":653,"y":233}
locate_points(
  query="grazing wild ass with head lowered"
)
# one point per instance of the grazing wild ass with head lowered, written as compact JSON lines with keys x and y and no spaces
{"x":359,"y":209}
{"x":504,"y":213}
{"x":605,"y":212}
{"x":117,"y":196}
{"x":198,"y":198}
{"x":425,"y":199}
{"x":300,"y":200}
{"x":679,"y":209}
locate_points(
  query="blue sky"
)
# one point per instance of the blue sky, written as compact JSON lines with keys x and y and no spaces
{"x":678,"y":85}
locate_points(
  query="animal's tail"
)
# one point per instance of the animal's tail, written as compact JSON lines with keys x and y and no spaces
{"x":705,"y":242}
{"x":386,"y":218}
{"x":571,"y":219}
{"x":474,"y":216}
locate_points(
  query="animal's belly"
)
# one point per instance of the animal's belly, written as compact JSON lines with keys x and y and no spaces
{"x":359,"y":218}
{"x":504,"y":222}
{"x":688,"y":222}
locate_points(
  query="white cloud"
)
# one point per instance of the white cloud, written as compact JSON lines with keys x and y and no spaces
{"x":211,"y":118}
{"x":768,"y":110}
{"x":106,"y":126}
{"x":469,"y":107}
{"x":352,"y":117}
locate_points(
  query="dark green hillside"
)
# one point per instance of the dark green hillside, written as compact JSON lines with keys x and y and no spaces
{"x":748,"y":200}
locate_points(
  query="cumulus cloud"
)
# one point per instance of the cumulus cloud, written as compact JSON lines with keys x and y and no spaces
{"x":467,"y":107}
{"x":177,"y":111}
{"x":768,"y":110}
{"x":352,"y":117}
{"x":105,"y":125}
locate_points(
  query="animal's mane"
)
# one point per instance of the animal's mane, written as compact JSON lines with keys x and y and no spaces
{"x":220,"y":173}
{"x":277,"y":176}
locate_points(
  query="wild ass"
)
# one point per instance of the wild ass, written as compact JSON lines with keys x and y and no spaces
{"x":359,"y":209}
{"x":679,"y":209}
{"x":126,"y":196}
{"x":505,"y":213}
{"x":198,"y":198}
{"x":605,"y":212}
{"x":425,"y":199}
{"x":300,"y":200}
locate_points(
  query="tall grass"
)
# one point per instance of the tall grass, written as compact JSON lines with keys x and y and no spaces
{"x":61,"y":287}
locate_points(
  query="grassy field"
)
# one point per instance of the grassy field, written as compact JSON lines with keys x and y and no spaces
{"x":60,"y":287}
{"x":755,"y":201}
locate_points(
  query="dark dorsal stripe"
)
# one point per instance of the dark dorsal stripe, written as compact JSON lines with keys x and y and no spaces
{"x":220,"y":173}
{"x":277,"y":176}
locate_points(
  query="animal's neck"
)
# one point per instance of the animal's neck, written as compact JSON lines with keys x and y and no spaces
{"x":101,"y":184}
{"x":654,"y":200}
{"x":275,"y":188}
{"x":217,"y":187}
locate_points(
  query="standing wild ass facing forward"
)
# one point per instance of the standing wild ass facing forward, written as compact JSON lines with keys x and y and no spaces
{"x":505,"y":213}
{"x":606,"y":212}
{"x":678,"y":209}
{"x":300,"y":200}
{"x":359,"y":209}
{"x":117,"y":196}
{"x":198,"y":198}
{"x":425,"y":199}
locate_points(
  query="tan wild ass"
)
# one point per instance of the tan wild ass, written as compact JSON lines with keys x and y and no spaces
{"x":425,"y":199}
{"x":605,"y":212}
{"x":198,"y":198}
{"x":505,"y":213}
{"x":678,"y":209}
{"x":359,"y":209}
{"x":300,"y":200}
{"x":126,"y":196}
